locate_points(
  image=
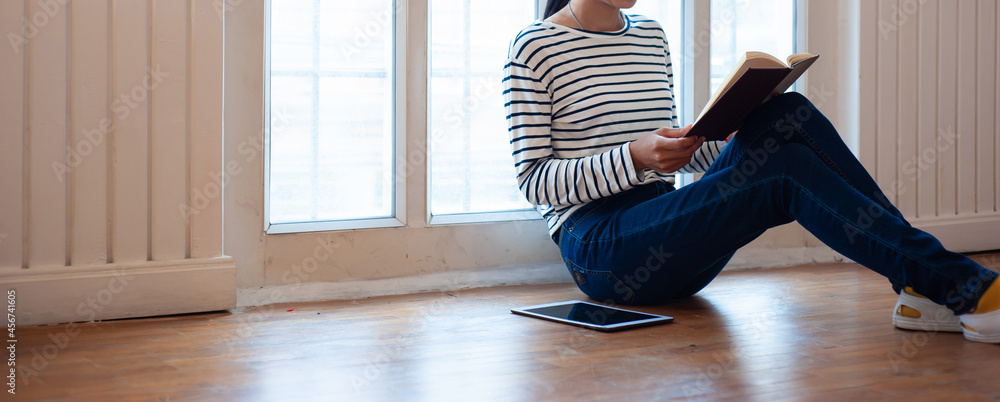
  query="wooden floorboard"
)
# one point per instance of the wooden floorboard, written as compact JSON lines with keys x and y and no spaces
{"x":815,"y":332}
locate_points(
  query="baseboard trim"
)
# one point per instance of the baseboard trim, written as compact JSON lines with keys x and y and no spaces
{"x":531,"y":274}
{"x":758,"y":258}
{"x":52,"y":295}
{"x":964,"y":233}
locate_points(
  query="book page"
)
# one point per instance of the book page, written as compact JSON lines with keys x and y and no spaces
{"x":795,"y":58}
{"x":772,"y":61}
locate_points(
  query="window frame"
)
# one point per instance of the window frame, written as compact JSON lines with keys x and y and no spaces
{"x":399,"y":147}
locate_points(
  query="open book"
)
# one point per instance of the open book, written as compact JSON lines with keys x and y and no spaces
{"x":757,"y":77}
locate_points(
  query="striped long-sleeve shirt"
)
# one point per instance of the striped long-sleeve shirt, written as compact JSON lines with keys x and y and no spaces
{"x":574,"y":101}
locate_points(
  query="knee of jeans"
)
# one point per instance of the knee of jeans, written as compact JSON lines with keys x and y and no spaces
{"x":794,"y":108}
{"x":793,"y":97}
{"x":793,"y":103}
{"x":791,"y":159}
{"x":781,"y":113}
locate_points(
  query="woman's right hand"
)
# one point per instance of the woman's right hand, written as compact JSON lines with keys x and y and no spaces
{"x":665,"y":150}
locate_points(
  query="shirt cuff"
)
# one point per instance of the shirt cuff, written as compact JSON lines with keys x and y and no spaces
{"x":634,"y":176}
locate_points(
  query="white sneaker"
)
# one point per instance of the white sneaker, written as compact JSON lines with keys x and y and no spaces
{"x":983,"y":327}
{"x":919,"y":313}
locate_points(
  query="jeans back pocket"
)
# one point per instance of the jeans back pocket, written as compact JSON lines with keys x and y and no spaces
{"x":601,"y":285}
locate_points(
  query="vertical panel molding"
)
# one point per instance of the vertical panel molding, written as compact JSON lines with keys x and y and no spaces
{"x":930,"y":68}
{"x":111,"y":114}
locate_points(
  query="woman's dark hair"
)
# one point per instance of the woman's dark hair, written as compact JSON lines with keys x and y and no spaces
{"x":553,"y":6}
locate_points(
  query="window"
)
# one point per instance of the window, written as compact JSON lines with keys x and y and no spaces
{"x":337,"y":154}
{"x":736,"y":26}
{"x":740,"y":26}
{"x":331,"y":110}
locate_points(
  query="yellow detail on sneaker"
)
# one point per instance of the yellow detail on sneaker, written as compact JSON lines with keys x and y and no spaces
{"x":990,"y":300}
{"x":968,"y":327}
{"x":910,"y":291}
{"x":906,"y":311}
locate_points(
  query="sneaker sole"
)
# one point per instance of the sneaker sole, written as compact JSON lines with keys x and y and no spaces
{"x":933,"y":317}
{"x":922,"y":324}
{"x":977,"y":337}
{"x":984,"y":321}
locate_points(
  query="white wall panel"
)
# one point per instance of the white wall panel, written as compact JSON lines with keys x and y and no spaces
{"x":169,"y":119}
{"x":996,"y":129}
{"x":47,"y":136}
{"x":91,"y":123}
{"x":130,"y":145}
{"x":934,"y":81}
{"x":986,"y":89}
{"x":887,"y":105}
{"x":927,"y":101}
{"x":12,"y":129}
{"x":947,"y":152}
{"x":906,"y":134}
{"x":206,"y":129}
{"x":112,"y":119}
{"x":965,"y":176}
{"x":111,"y":116}
{"x":867,"y":14}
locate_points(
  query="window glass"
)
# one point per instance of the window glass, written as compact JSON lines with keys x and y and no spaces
{"x":470,"y":164}
{"x":739,"y":26}
{"x":671,"y":16}
{"x":331,"y":97}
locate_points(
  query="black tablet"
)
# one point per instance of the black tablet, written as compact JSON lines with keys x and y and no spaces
{"x":592,"y":316}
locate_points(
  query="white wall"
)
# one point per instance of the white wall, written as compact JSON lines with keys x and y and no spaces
{"x":111,"y":119}
{"x":928,"y":107}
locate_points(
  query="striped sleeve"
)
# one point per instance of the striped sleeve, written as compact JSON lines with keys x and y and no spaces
{"x":543,"y":179}
{"x":703,"y":157}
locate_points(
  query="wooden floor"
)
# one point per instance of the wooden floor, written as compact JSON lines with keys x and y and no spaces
{"x":814,"y":332}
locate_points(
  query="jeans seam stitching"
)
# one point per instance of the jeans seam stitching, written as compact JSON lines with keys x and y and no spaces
{"x":878,"y":239}
{"x":686,"y":212}
{"x":573,"y":266}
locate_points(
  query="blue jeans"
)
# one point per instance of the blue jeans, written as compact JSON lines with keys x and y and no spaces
{"x":787,"y":163}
